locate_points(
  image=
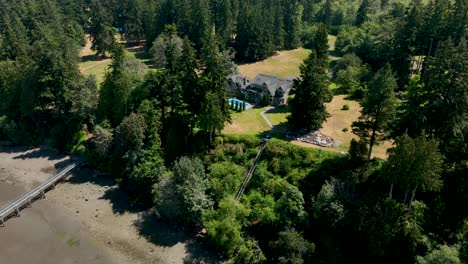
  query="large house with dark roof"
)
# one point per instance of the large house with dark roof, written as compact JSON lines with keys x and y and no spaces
{"x":263,"y":89}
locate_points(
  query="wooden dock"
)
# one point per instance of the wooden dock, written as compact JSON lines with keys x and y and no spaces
{"x":25,"y":200}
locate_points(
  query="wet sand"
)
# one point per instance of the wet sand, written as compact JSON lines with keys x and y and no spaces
{"x":42,"y":233}
{"x":85,"y":219}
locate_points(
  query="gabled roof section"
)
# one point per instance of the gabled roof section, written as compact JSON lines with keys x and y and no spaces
{"x":238,"y":79}
{"x":273,"y":82}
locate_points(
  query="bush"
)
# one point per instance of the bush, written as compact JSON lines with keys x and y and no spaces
{"x":358,"y":93}
{"x":78,"y":146}
{"x":345,"y":129}
{"x":345,"y":107}
{"x":7,"y":128}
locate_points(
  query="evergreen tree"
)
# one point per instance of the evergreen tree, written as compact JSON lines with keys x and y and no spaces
{"x":311,"y":92}
{"x":115,"y":89}
{"x":321,"y":46}
{"x":446,"y":98}
{"x":215,"y":108}
{"x":362,"y":13}
{"x":327,"y":13}
{"x":291,"y":24}
{"x":100,"y":30}
{"x":254,"y":40}
{"x":378,"y":108}
{"x":412,"y":164}
{"x":188,"y":78}
{"x":224,"y":20}
{"x":166,"y":49}
{"x":200,"y":24}
{"x":130,"y":20}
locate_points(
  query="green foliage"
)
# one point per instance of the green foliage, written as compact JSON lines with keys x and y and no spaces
{"x":414,"y":163}
{"x":223,"y":226}
{"x":78,"y":146}
{"x":7,"y":128}
{"x":362,"y":13}
{"x":345,"y":107}
{"x":102,"y":141}
{"x":328,"y":210}
{"x":249,"y":252}
{"x":262,"y":208}
{"x":145,"y":174}
{"x":444,"y":254}
{"x":445,"y":94}
{"x":167,"y":48}
{"x":311,"y":92}
{"x":351,"y":75}
{"x":357,"y":151}
{"x":116,"y":89}
{"x":129,"y":135}
{"x":225,"y":179}
{"x":167,"y":202}
{"x":189,"y":175}
{"x":100,"y":30}
{"x":378,"y":108}
{"x":291,"y":247}
{"x":290,"y":207}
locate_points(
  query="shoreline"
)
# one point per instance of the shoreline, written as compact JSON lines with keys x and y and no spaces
{"x":85,"y":219}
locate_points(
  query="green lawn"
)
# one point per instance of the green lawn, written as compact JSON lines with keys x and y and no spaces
{"x":278,"y":116}
{"x":96,"y":68}
{"x":99,"y":66}
{"x":249,"y":122}
{"x":283,"y":64}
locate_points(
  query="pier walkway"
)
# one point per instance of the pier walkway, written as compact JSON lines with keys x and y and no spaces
{"x":25,"y":200}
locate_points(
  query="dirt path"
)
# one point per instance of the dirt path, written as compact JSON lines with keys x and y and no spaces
{"x":95,"y":64}
{"x":86,"y":219}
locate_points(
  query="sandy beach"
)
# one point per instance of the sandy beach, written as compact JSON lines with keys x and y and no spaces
{"x":85,"y":219}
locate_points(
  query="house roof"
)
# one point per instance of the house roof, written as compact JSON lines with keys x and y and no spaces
{"x":238,"y":79}
{"x":273,"y":83}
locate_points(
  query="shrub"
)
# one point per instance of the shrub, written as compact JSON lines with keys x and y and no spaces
{"x":7,"y":128}
{"x":345,"y":129}
{"x":78,"y":146}
{"x":358,"y":93}
{"x":345,"y":107}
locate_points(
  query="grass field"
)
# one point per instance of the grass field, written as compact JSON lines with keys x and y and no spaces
{"x":250,"y":122}
{"x":283,"y":64}
{"x":95,"y":65}
{"x":278,"y":116}
{"x":340,"y":120}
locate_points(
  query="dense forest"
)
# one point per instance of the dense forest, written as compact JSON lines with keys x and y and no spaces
{"x":158,"y":133}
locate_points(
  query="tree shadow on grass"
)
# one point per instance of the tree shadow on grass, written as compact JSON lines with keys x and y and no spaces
{"x":93,"y":57}
{"x":279,"y":110}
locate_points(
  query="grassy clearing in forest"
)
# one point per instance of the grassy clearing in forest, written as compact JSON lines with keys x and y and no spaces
{"x":283,"y":64}
{"x":96,"y":65}
{"x":250,"y":122}
{"x":340,"y":120}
